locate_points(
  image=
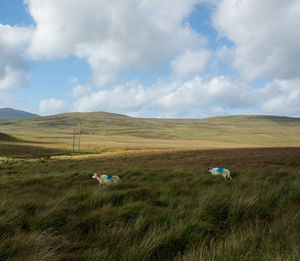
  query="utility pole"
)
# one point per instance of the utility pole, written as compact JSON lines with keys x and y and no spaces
{"x":79,"y":138}
{"x":74,"y":137}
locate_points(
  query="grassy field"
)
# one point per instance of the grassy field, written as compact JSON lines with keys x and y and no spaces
{"x":104,"y":130}
{"x":167,"y":207}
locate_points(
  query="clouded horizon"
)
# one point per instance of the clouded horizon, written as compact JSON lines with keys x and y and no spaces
{"x":150,"y":58}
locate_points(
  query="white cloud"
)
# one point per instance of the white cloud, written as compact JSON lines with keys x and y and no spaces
{"x":80,"y":90}
{"x":196,"y":97}
{"x":225,"y":54}
{"x":122,"y":98}
{"x":52,"y":106}
{"x":165,"y":99}
{"x":112,"y":35}
{"x":190,"y":63}
{"x":285,"y":98}
{"x":207,"y":96}
{"x":265,"y":34}
{"x":115,"y":36}
{"x":13,"y":68}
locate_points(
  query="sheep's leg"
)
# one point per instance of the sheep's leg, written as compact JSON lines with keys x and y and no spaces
{"x":229,"y":176}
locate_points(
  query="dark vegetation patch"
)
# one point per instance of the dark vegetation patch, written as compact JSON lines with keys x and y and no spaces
{"x":6,"y":137}
{"x":15,"y":150}
{"x":166,"y":208}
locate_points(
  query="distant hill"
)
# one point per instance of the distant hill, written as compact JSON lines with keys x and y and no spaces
{"x":9,"y":113}
{"x":252,"y":130}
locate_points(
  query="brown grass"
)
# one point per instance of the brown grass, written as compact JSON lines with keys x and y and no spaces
{"x":166,"y":208}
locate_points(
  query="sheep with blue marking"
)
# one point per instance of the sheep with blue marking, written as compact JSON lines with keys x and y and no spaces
{"x":105,"y":179}
{"x":220,"y":171}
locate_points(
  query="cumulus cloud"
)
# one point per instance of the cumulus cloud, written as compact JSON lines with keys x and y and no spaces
{"x":196,"y":97}
{"x":206,"y":96}
{"x":225,"y":54}
{"x":165,"y":99}
{"x":285,"y":98}
{"x":52,"y":106}
{"x":112,"y":35}
{"x":265,"y":34}
{"x":80,"y":90}
{"x":13,"y":68}
{"x":115,"y":36}
{"x":190,"y":63}
{"x":122,"y":98}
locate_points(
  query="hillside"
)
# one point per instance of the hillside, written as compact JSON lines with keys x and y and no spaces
{"x":108,"y":128}
{"x":5,"y":137}
{"x":8,"y":113}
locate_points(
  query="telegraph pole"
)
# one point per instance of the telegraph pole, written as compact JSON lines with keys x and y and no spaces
{"x":79,"y":138}
{"x":74,"y":137}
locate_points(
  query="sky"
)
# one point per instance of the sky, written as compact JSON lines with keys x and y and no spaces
{"x":151,"y":58}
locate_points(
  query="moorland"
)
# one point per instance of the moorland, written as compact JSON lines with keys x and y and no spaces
{"x":167,"y":207}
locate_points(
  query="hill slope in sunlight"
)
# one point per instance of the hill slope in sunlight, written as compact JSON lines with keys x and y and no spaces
{"x":245,"y":130}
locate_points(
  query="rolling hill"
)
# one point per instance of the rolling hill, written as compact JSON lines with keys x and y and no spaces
{"x":8,"y":113}
{"x":107,"y":128}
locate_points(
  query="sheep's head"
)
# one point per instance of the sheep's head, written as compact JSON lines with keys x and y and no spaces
{"x":96,"y":176}
{"x":93,"y":176}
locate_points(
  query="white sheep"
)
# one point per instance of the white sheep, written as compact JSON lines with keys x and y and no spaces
{"x":220,"y":171}
{"x":105,"y":179}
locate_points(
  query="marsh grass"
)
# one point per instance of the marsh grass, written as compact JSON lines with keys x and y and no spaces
{"x":166,"y":208}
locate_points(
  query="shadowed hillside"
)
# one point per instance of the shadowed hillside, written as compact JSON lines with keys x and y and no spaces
{"x":6,"y":137}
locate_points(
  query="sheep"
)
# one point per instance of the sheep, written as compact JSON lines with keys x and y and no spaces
{"x":105,"y":179}
{"x":220,"y":171}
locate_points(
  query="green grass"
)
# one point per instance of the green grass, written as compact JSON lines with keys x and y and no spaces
{"x":166,"y":208}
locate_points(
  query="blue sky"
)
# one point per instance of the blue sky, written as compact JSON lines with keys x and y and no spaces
{"x":189,"y":59}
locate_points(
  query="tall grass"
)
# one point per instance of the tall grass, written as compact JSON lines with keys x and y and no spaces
{"x":166,"y":208}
